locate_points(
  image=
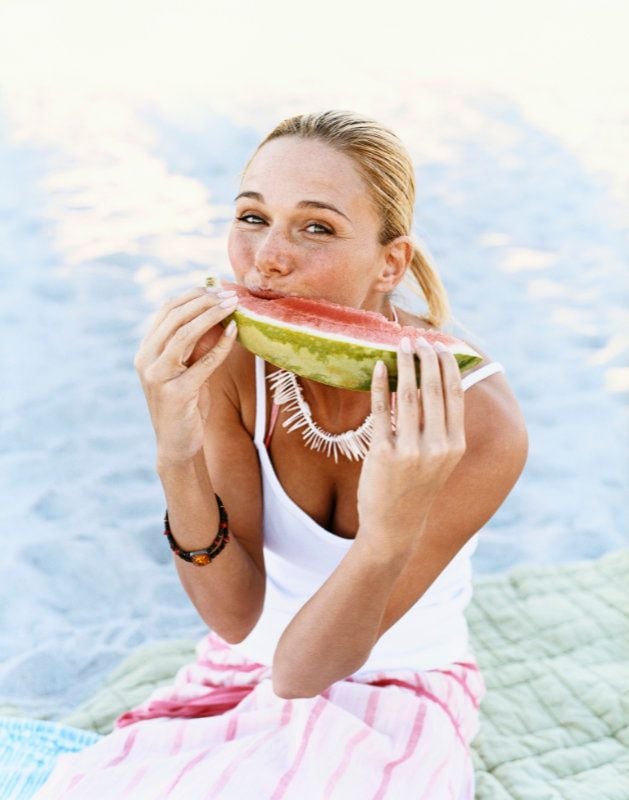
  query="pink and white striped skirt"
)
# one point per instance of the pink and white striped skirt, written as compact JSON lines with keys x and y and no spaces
{"x":220,"y":731}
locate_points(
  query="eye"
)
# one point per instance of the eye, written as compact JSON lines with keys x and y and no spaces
{"x":247,"y":217}
{"x":254,"y":219}
{"x":322,"y":228}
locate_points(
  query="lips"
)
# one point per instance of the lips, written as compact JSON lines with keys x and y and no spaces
{"x":266,"y":294}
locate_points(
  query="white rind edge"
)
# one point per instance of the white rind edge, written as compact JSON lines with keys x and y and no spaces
{"x":462,"y":348}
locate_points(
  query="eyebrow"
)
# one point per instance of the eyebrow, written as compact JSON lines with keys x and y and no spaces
{"x":301,"y":204}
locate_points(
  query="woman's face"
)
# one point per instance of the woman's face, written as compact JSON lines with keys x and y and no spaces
{"x":305,"y":225}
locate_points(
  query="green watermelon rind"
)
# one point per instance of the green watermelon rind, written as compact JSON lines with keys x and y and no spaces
{"x":347,"y":365}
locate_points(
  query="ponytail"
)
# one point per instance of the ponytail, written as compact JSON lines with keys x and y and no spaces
{"x":432,"y":289}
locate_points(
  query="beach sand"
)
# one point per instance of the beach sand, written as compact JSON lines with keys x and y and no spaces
{"x":113,"y":200}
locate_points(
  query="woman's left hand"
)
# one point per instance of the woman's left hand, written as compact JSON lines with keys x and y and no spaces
{"x":404,"y":471}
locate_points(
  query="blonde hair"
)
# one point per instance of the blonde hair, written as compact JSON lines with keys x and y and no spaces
{"x":388,"y":171}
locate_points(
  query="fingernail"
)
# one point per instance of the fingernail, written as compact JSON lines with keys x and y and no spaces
{"x":226,"y":293}
{"x":421,"y":342}
{"x":230,"y":303}
{"x":231,"y":327}
{"x":441,"y":347}
{"x":406,"y":345}
{"x":380,"y":369}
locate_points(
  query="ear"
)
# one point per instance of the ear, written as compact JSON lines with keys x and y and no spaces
{"x":396,"y":257}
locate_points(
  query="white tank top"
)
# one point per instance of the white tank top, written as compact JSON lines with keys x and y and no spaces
{"x":300,"y":555}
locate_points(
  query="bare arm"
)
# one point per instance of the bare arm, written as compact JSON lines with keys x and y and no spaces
{"x":332,"y":635}
{"x":334,"y":632}
{"x":202,"y":448}
{"x":228,"y":593}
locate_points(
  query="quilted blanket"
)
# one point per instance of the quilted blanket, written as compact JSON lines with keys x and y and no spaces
{"x":553,"y":646}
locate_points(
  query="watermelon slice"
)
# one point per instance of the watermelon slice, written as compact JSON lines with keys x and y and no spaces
{"x":329,"y":343}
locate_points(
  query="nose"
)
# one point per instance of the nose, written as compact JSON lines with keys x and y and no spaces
{"x":274,"y":253}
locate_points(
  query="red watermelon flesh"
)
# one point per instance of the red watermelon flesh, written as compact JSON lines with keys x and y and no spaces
{"x":327,"y":342}
{"x":348,"y":322}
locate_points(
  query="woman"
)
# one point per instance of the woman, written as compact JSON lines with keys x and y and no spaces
{"x":338,"y":663}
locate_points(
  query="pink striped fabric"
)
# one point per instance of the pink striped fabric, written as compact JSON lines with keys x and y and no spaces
{"x":221,"y":732}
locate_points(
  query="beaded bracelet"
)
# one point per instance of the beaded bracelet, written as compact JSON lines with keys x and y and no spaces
{"x":201,"y":557}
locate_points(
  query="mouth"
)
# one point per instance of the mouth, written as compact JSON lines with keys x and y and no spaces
{"x":266,"y":294}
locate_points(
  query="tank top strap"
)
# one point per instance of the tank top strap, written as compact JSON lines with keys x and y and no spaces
{"x":260,"y":401}
{"x":479,"y":374}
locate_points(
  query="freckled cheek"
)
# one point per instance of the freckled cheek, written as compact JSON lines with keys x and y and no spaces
{"x":329,"y":270}
{"x":239,"y":250}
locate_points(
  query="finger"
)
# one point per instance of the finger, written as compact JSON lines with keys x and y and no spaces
{"x":194,"y":377}
{"x":407,"y":400}
{"x":177,"y":302}
{"x":381,"y":404}
{"x":170,"y":305}
{"x":454,"y":396}
{"x":181,"y":344}
{"x":431,"y":391}
{"x":175,"y":319}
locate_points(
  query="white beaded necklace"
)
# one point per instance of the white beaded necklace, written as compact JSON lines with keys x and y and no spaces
{"x":353,"y":444}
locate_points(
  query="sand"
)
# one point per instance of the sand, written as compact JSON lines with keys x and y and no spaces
{"x":109,"y":203}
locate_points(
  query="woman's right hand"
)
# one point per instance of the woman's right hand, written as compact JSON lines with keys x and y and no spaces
{"x":184,"y":346}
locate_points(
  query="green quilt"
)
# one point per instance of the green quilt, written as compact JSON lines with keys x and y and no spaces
{"x":553,"y":646}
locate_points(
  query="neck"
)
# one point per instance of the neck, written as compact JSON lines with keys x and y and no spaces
{"x":335,"y":410}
